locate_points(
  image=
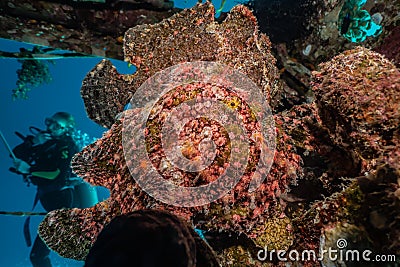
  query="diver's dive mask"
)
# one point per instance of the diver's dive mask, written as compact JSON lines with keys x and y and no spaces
{"x":54,"y":124}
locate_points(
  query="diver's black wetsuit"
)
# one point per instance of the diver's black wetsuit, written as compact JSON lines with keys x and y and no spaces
{"x":53,"y":194}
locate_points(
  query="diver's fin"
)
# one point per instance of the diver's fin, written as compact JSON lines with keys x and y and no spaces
{"x":27,"y":232}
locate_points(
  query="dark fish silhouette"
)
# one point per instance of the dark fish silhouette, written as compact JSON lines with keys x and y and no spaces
{"x":150,"y":238}
{"x":345,"y":24}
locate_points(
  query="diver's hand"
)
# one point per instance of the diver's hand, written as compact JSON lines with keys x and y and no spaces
{"x":41,"y":138}
{"x":21,"y":166}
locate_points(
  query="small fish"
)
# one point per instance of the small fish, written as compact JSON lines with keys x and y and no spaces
{"x":345,"y":24}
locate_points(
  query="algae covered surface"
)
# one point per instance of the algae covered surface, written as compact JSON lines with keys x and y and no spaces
{"x":334,"y":171}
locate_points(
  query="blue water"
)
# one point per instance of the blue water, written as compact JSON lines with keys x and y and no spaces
{"x":62,"y":94}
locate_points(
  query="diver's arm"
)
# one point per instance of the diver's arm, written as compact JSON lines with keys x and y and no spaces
{"x":24,"y":150}
{"x":57,"y":164}
{"x":41,"y":138}
{"x":21,"y":166}
{"x":24,"y":168}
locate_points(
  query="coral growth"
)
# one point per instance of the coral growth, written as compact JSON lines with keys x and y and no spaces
{"x":103,"y":163}
{"x":191,"y":35}
{"x":382,"y":206}
{"x":339,"y":207}
{"x":390,"y":46}
{"x":356,"y":24}
{"x":33,"y":73}
{"x":357,"y":93}
{"x":336,"y":164}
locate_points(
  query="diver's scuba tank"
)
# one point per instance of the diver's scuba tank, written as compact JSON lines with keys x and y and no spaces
{"x":85,"y":195}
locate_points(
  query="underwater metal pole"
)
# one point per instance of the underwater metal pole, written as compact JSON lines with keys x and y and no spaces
{"x":7,"y":146}
{"x":23,"y":213}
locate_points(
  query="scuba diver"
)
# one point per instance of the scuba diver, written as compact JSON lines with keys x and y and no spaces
{"x":44,"y":160}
